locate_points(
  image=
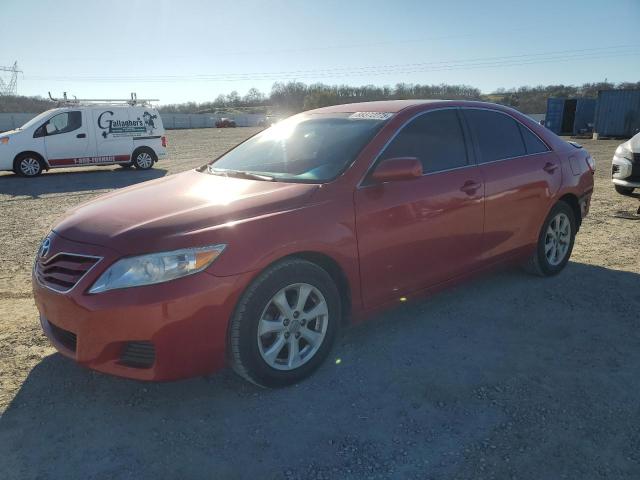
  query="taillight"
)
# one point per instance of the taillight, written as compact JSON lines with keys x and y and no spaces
{"x":591,"y":163}
{"x":164,"y":141}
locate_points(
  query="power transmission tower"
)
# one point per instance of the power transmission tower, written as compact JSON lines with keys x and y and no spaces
{"x":10,"y":87}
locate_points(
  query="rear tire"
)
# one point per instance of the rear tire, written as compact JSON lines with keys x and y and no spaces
{"x":624,"y":190}
{"x":28,"y":165}
{"x":285,"y":324}
{"x":144,"y":158}
{"x":555,"y":242}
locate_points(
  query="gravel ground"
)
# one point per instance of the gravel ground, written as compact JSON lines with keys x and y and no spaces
{"x":508,"y":376}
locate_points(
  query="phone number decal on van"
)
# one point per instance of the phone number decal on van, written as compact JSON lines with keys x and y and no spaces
{"x":63,"y":162}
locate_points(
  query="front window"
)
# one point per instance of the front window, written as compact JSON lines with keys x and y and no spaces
{"x":310,"y":148}
{"x":64,"y":123}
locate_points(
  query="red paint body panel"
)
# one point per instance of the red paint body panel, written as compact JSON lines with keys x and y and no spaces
{"x":389,"y":240}
{"x":417,"y":233}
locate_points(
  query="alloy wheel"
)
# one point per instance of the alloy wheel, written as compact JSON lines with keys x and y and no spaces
{"x":557,"y":239}
{"x":30,"y":166}
{"x":144,"y":160}
{"x":292,"y":326}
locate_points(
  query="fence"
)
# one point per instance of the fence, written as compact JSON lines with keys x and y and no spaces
{"x":9,"y":121}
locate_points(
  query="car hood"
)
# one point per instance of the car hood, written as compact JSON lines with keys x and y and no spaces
{"x":633,"y":143}
{"x":187,"y":209}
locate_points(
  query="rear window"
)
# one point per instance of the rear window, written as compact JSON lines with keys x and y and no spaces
{"x":498,"y":135}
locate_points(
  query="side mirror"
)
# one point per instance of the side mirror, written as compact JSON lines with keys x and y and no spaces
{"x":394,"y":169}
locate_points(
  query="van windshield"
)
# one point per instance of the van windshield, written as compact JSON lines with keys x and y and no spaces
{"x":310,"y":148}
{"x":35,"y":120}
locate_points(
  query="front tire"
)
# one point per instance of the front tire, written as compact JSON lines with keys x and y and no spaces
{"x":623,"y":190}
{"x":285,"y":324}
{"x":555,"y":242}
{"x":144,"y":158}
{"x":28,"y":165}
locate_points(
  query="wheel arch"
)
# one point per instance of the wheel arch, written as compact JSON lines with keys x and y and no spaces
{"x":333,"y":268}
{"x":39,"y":156}
{"x":144,"y":147}
{"x":572,"y":200}
{"x":327,"y":263}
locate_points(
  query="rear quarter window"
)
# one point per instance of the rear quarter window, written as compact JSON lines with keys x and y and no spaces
{"x":531,"y":142}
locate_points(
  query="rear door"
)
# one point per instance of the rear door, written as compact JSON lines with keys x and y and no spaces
{"x":521,"y":176}
{"x":416,"y":233}
{"x":66,"y":141}
{"x":115,"y":129}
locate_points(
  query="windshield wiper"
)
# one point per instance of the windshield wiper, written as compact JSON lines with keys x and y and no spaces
{"x":240,"y":174}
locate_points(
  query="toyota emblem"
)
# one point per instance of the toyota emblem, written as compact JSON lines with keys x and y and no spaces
{"x":45,"y":247}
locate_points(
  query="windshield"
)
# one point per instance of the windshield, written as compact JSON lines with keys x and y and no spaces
{"x":35,"y":120}
{"x":305,"y":148}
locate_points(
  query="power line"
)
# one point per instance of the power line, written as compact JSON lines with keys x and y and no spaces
{"x":371,"y":70}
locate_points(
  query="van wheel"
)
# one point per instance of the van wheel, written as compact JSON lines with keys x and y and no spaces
{"x":144,"y":158}
{"x":555,"y":242}
{"x":285,"y":324}
{"x":28,"y":165}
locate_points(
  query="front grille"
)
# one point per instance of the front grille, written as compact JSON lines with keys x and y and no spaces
{"x":62,"y":271}
{"x":65,"y":337}
{"x":138,"y":355}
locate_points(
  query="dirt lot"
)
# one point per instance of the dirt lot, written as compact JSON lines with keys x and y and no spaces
{"x":509,"y":376}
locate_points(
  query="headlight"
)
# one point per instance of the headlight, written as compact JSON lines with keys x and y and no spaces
{"x":624,"y":152}
{"x":156,"y":268}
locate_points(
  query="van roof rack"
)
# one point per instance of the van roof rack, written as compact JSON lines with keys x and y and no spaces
{"x":134,"y":100}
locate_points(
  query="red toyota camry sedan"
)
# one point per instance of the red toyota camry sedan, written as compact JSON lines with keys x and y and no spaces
{"x":258,"y":257}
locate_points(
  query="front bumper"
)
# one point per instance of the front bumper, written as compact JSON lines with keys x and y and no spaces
{"x":625,"y":172}
{"x":178,"y":328}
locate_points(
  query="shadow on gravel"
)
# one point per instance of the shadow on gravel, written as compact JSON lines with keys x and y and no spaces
{"x":508,"y":376}
{"x":75,"y":181}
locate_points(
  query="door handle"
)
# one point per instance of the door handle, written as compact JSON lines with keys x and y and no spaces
{"x":550,"y":167}
{"x":81,"y":135}
{"x":470,"y":187}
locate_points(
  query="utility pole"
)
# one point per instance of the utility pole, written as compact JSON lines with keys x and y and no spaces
{"x":10,"y":87}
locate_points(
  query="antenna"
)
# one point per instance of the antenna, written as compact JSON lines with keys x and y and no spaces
{"x":10,"y":87}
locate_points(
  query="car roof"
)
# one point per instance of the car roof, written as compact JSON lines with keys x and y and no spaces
{"x":388,"y":106}
{"x":395,"y":106}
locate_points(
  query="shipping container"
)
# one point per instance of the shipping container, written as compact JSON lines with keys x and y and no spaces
{"x":553,"y":118}
{"x":584,"y":115}
{"x":618,"y":113}
{"x":566,"y":116}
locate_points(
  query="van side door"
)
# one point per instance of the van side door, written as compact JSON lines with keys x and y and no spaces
{"x":113,"y":137}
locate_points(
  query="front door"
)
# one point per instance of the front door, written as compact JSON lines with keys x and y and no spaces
{"x":414,"y":234}
{"x":66,"y":140}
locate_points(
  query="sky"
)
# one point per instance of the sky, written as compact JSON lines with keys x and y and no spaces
{"x":178,"y":51}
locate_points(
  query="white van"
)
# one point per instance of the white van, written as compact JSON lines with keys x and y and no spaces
{"x":78,"y":134}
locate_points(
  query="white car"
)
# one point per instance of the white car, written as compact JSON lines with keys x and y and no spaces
{"x":76,"y":135}
{"x":625,"y":168}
